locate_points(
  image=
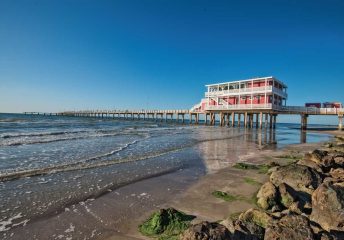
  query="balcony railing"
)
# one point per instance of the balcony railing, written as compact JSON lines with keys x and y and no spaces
{"x":239,"y":107}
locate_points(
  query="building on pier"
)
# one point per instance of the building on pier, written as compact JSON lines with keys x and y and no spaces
{"x":256,"y":93}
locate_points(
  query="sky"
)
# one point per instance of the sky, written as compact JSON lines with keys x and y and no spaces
{"x":156,"y":54}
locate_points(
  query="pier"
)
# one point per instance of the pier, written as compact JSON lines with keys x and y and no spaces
{"x":249,"y":118}
{"x":41,"y":113}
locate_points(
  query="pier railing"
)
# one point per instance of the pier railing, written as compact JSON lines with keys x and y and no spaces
{"x":281,"y":109}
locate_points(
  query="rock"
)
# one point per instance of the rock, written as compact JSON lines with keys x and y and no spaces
{"x":330,"y":236}
{"x":328,"y":206}
{"x":299,"y":177}
{"x":206,"y":231}
{"x":168,"y":222}
{"x":267,"y":196}
{"x":337,"y":173}
{"x":256,"y":216}
{"x":311,"y":164}
{"x":297,"y":202}
{"x":247,"y":231}
{"x":296,"y":207}
{"x":276,"y":208}
{"x":316,"y":156}
{"x":288,"y":195}
{"x":327,"y":163}
{"x":339,"y":160}
{"x":273,"y":169}
{"x":289,"y":227}
{"x":331,"y":180}
{"x":321,"y":158}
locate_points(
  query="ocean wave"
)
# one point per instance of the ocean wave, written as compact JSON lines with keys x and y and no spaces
{"x":38,"y":134}
{"x":67,"y":136}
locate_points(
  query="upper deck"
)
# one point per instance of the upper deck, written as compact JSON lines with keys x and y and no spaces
{"x":247,"y":87}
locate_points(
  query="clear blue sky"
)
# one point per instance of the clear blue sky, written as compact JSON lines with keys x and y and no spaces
{"x":57,"y":55}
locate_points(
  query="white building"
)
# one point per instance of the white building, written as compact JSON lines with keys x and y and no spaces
{"x":255,"y":93}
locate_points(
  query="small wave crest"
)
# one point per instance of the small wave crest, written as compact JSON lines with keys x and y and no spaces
{"x":40,"y":138}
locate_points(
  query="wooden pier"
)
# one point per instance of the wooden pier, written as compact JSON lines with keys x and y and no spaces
{"x":41,"y":113}
{"x":248,"y":118}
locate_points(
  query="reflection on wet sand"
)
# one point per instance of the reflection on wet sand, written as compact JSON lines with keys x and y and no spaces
{"x":229,"y":147}
{"x":303,"y":136}
{"x":235,"y":144}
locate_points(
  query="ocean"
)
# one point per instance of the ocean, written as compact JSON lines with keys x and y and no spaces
{"x":48,"y":163}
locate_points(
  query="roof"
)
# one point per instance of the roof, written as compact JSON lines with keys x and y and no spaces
{"x":248,"y":80}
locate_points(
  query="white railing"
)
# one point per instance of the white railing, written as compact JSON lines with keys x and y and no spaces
{"x":239,"y":107}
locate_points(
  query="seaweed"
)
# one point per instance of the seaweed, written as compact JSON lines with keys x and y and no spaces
{"x":252,"y":181}
{"x":166,"y":224}
{"x":262,"y":168}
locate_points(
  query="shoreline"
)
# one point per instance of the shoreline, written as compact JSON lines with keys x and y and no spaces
{"x":117,"y":214}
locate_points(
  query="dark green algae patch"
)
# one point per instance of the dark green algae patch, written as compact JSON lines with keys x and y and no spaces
{"x":262,"y":168}
{"x":166,"y":224}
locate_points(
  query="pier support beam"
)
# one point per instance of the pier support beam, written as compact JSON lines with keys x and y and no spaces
{"x":304,"y":121}
{"x":222,"y":119}
{"x":275,"y":120}
{"x":228,"y":119}
{"x":212,"y":119}
{"x":251,"y":120}
{"x":245,"y":119}
{"x":233,"y":119}
{"x":340,"y":122}
{"x":260,"y":120}
{"x":257,"y":120}
{"x":239,"y":120}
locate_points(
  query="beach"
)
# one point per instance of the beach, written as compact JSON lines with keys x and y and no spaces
{"x":101,"y":178}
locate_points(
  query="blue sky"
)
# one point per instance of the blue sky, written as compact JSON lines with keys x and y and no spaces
{"x":58,"y":55}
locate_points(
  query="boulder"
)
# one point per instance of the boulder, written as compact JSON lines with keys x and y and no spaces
{"x":328,"y":206}
{"x":206,"y":231}
{"x":311,"y":164}
{"x":324,"y":159}
{"x":256,"y":216}
{"x":288,"y":195}
{"x":267,"y":196}
{"x":247,"y":231}
{"x":316,"y":156}
{"x":337,"y":173}
{"x":339,"y":160}
{"x":297,"y":202}
{"x":289,"y":227}
{"x":299,"y":177}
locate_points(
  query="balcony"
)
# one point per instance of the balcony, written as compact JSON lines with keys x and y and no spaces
{"x":247,"y":91}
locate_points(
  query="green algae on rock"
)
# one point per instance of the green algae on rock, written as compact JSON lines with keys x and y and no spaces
{"x":166,"y":224}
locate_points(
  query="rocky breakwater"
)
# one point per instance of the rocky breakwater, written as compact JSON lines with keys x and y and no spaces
{"x":302,"y":200}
